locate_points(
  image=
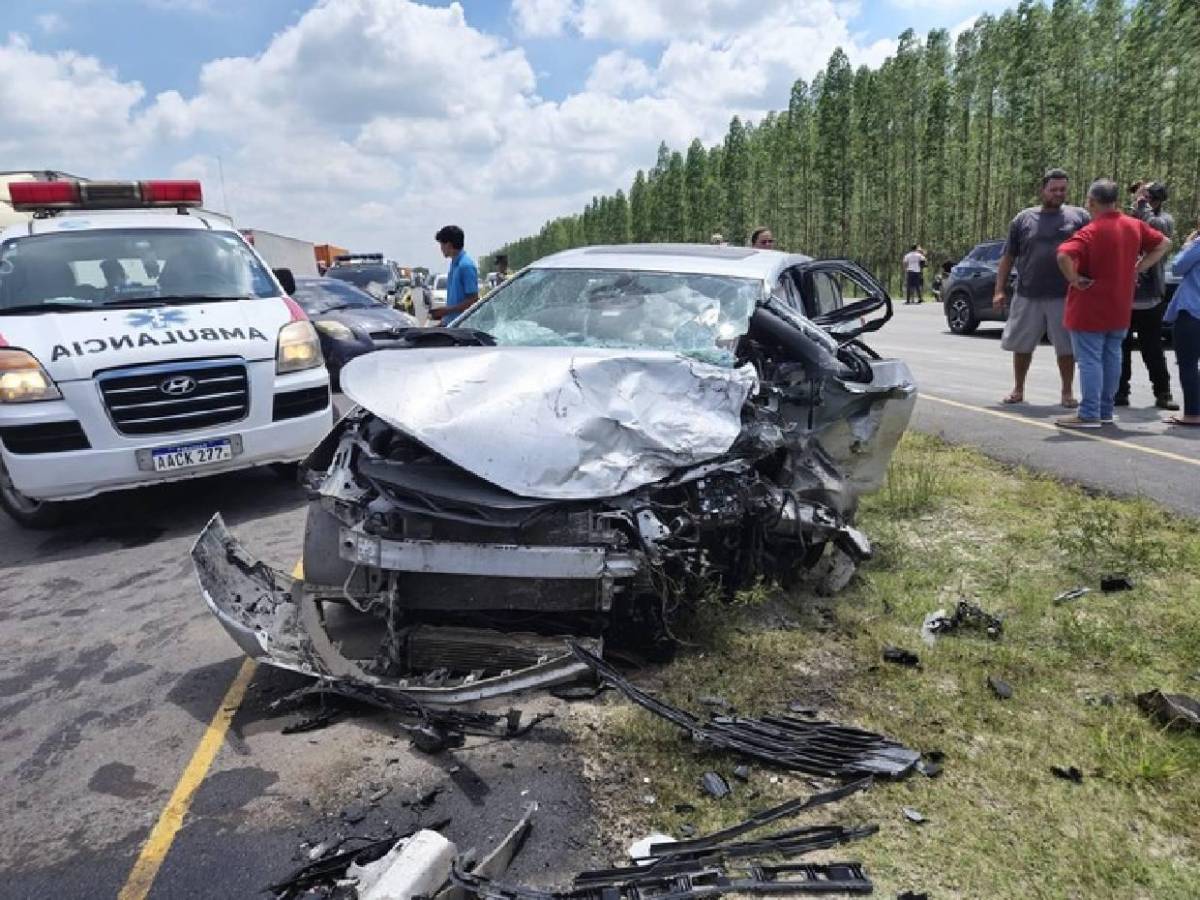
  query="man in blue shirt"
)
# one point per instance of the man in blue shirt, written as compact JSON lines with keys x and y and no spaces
{"x":462,"y":281}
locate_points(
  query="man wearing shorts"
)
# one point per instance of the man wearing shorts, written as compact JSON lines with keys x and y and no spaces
{"x":1040,"y":298}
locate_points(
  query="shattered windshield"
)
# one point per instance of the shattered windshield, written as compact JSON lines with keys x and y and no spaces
{"x":700,"y":316}
{"x":127,"y":267}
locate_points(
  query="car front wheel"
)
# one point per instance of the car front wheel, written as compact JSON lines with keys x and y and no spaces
{"x":25,"y":510}
{"x":960,"y":314}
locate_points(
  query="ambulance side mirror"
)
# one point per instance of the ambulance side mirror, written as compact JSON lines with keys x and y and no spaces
{"x":286,"y":280}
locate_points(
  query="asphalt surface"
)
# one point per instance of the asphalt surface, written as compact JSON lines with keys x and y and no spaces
{"x":963,"y":378}
{"x":112,"y":668}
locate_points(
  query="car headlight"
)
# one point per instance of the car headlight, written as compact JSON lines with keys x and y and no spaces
{"x":23,"y":380}
{"x":335,"y":330}
{"x":298,"y":348}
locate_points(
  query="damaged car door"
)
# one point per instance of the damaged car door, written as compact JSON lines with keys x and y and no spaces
{"x":607,"y":437}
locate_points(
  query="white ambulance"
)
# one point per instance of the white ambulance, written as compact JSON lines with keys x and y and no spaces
{"x":139,"y":346}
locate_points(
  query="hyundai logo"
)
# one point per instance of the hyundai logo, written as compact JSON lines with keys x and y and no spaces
{"x":178,"y":386}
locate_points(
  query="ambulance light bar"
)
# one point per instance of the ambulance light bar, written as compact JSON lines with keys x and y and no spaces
{"x":33,"y":196}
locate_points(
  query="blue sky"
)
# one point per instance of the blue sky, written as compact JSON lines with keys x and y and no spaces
{"x":374,"y":121}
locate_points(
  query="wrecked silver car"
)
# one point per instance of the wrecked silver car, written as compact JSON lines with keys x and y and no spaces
{"x":612,"y":434}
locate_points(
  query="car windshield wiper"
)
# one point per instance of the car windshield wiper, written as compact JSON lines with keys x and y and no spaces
{"x":178,"y":300}
{"x":55,"y":306}
{"x":348,"y":306}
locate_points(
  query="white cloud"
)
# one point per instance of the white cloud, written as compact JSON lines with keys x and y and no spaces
{"x":619,"y":73}
{"x":343,"y":128}
{"x":542,"y":18}
{"x":50,"y":23}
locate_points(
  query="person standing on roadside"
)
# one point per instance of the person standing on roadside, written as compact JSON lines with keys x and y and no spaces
{"x":762,"y":239}
{"x":1040,"y":298}
{"x":914,"y":278}
{"x":462,"y":280}
{"x":1184,"y":314}
{"x":1100,"y":263}
{"x":1148,"y":305}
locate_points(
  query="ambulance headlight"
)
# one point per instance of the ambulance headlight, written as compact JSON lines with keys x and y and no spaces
{"x":335,"y":330}
{"x":298,"y":348}
{"x":23,"y":380}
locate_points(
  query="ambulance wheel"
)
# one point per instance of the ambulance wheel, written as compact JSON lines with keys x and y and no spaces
{"x":25,"y":510}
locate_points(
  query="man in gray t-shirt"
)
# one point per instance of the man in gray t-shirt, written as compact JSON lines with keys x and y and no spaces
{"x":1146,"y":322}
{"x":1041,"y":294}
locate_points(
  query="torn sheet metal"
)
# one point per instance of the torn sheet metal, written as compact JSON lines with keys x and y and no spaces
{"x":276,"y":620}
{"x":581,"y":424}
{"x":807,"y":745}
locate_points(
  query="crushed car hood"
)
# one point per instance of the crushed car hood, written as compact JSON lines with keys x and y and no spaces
{"x":577,"y":423}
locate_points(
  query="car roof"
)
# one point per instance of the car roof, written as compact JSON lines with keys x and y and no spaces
{"x":693,"y":259}
{"x":101,"y":220}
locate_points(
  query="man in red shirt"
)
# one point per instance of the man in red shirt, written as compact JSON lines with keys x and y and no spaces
{"x":1101,"y":263}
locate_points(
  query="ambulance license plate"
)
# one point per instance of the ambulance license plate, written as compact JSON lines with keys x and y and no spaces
{"x":190,"y":456}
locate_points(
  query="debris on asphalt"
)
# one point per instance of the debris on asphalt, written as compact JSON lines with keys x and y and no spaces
{"x":900,"y":656}
{"x":1113,"y":583}
{"x":715,"y":786}
{"x":415,"y":866}
{"x":1001,"y":688}
{"x":378,"y":795}
{"x":323,"y":719}
{"x":1072,"y":594}
{"x":913,"y":815}
{"x":741,"y":773}
{"x":1176,"y":711}
{"x":1068,"y":773}
{"x":966,"y":616}
{"x":354,"y":813}
{"x":497,"y":862}
{"x":812,"y":746}
{"x":930,"y":763}
{"x":327,"y":869}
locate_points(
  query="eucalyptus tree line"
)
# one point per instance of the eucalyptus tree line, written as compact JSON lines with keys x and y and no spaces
{"x":940,"y":144}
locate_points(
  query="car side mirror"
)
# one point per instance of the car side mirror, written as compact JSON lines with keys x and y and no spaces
{"x":286,"y":280}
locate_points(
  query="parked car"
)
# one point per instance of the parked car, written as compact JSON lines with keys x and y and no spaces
{"x":349,"y":321}
{"x":372,"y":273}
{"x":967,"y":294}
{"x":612,"y":434}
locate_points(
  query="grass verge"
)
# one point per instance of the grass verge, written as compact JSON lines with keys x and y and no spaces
{"x":952,"y":524}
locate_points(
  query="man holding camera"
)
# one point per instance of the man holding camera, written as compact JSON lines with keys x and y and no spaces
{"x":1147,"y":205}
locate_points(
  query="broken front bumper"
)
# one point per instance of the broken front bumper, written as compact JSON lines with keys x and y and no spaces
{"x":278,"y":621}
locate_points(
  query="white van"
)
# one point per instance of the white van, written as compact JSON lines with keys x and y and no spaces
{"x":138,"y":347}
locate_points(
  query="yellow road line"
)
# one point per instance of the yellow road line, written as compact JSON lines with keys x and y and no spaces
{"x":1050,"y":426}
{"x":154,"y":851}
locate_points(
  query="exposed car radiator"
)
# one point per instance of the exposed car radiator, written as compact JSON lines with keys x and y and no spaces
{"x":465,"y":650}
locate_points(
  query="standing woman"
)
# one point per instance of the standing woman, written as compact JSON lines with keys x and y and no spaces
{"x":1184,"y":312}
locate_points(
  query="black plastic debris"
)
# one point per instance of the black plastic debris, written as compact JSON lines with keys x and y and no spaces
{"x":579,"y":691}
{"x":695,"y":879}
{"x":913,"y":895}
{"x":900,"y":656}
{"x":714,"y":785}
{"x":760,"y":819}
{"x":966,"y":616}
{"x":930,"y":763}
{"x":741,"y":773}
{"x":1001,"y":688}
{"x":1068,"y":773}
{"x":813,"y":746}
{"x":1176,"y":711}
{"x":913,"y":815}
{"x":1113,"y":583}
{"x":1072,"y":594}
{"x":684,"y":808}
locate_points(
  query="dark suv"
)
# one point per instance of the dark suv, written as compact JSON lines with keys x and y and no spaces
{"x":967,"y":294}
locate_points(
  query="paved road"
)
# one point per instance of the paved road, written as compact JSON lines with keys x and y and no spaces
{"x":111,"y":669}
{"x":963,"y":378}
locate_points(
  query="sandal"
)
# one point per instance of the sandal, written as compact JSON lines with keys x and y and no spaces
{"x":1013,"y":398}
{"x":1069,"y":403}
{"x":1179,"y":420}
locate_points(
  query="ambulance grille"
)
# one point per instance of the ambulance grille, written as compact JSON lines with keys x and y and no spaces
{"x":172,"y":397}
